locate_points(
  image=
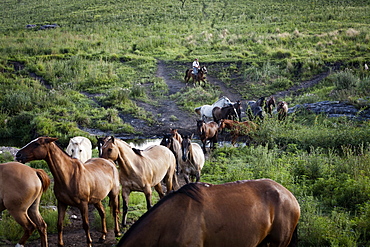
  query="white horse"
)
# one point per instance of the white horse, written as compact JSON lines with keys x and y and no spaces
{"x":205,"y":111}
{"x":79,"y":147}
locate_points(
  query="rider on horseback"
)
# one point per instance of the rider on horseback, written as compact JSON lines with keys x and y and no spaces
{"x":196,"y":67}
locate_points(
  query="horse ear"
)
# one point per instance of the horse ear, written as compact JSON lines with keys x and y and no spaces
{"x":191,"y":137}
{"x":50,"y":139}
{"x":112,"y":138}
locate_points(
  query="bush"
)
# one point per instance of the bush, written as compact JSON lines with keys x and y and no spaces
{"x":344,"y":79}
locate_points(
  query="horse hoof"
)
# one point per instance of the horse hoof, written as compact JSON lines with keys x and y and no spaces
{"x":118,"y":234}
{"x":101,"y":240}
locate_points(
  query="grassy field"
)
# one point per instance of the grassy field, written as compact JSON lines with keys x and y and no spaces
{"x":103,"y":54}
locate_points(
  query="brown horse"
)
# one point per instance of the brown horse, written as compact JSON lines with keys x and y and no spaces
{"x":77,"y":184}
{"x":193,"y":159}
{"x":282,"y":110}
{"x":196,"y":78}
{"x":247,"y":213}
{"x":140,"y":170}
{"x":237,"y":128}
{"x":20,"y":193}
{"x":176,"y":135}
{"x":226,"y":112}
{"x":270,"y":104}
{"x":207,"y":131}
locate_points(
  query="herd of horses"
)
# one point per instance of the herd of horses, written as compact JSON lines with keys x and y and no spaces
{"x":242,"y":213}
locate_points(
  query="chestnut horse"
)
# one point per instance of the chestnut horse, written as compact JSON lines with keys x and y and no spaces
{"x":196,"y":78}
{"x":246,"y":213}
{"x":237,"y":128}
{"x":140,"y":170}
{"x":176,"y":135}
{"x":270,"y":104}
{"x":20,"y":193}
{"x":80,"y":147}
{"x":207,"y":131}
{"x":282,"y":110}
{"x":193,"y":159}
{"x":77,"y":184}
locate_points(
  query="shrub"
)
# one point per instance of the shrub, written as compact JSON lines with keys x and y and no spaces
{"x":344,"y":79}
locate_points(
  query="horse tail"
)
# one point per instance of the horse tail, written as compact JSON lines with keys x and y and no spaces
{"x":45,"y":180}
{"x":294,"y":240}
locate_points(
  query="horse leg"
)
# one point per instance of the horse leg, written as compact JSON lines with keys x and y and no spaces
{"x":125,"y":199}
{"x":148,"y":196}
{"x":85,"y":221}
{"x":36,"y":217}
{"x":114,"y":204}
{"x":61,"y":213}
{"x":158,"y":188}
{"x":101,"y":211}
{"x":28,"y":226}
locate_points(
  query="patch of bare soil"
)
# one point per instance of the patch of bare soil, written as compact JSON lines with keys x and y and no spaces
{"x":165,"y":111}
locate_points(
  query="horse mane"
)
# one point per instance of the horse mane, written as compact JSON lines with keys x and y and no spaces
{"x":60,"y":147}
{"x":137,"y":151}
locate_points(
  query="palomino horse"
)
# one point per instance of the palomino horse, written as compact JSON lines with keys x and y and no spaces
{"x":176,"y":135}
{"x":246,"y":213}
{"x":140,"y":170}
{"x":226,"y":112}
{"x":237,"y":128}
{"x":205,"y":111}
{"x":174,"y":145}
{"x":207,"y":131}
{"x":254,"y":109}
{"x":193,"y":159}
{"x":282,"y":110}
{"x":80,"y":147}
{"x":77,"y":184}
{"x":269,"y":105}
{"x":20,"y":193}
{"x":196,"y":78}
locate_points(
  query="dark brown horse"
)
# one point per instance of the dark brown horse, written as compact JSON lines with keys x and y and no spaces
{"x":237,"y":128}
{"x":20,"y":193}
{"x":282,"y":110}
{"x":207,"y":132}
{"x":270,"y":104}
{"x":196,"y":78}
{"x":226,"y":112}
{"x":247,"y":213}
{"x":77,"y":184}
{"x":238,"y":108}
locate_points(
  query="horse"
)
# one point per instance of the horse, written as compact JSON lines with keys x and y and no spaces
{"x":282,"y":110}
{"x":77,"y":184}
{"x":207,"y":131}
{"x":140,"y":170}
{"x":196,"y":78}
{"x":22,"y":188}
{"x":205,"y":111}
{"x":254,"y":109}
{"x":193,"y":159}
{"x":270,"y":103}
{"x":176,"y":135}
{"x":100,"y":143}
{"x":80,"y":147}
{"x":174,"y":145}
{"x":238,"y":108}
{"x":237,"y":128}
{"x":226,"y":112}
{"x":245,"y":213}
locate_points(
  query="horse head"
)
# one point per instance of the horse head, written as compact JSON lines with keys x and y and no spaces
{"x":110,"y":150}
{"x":185,"y":147}
{"x":35,"y":150}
